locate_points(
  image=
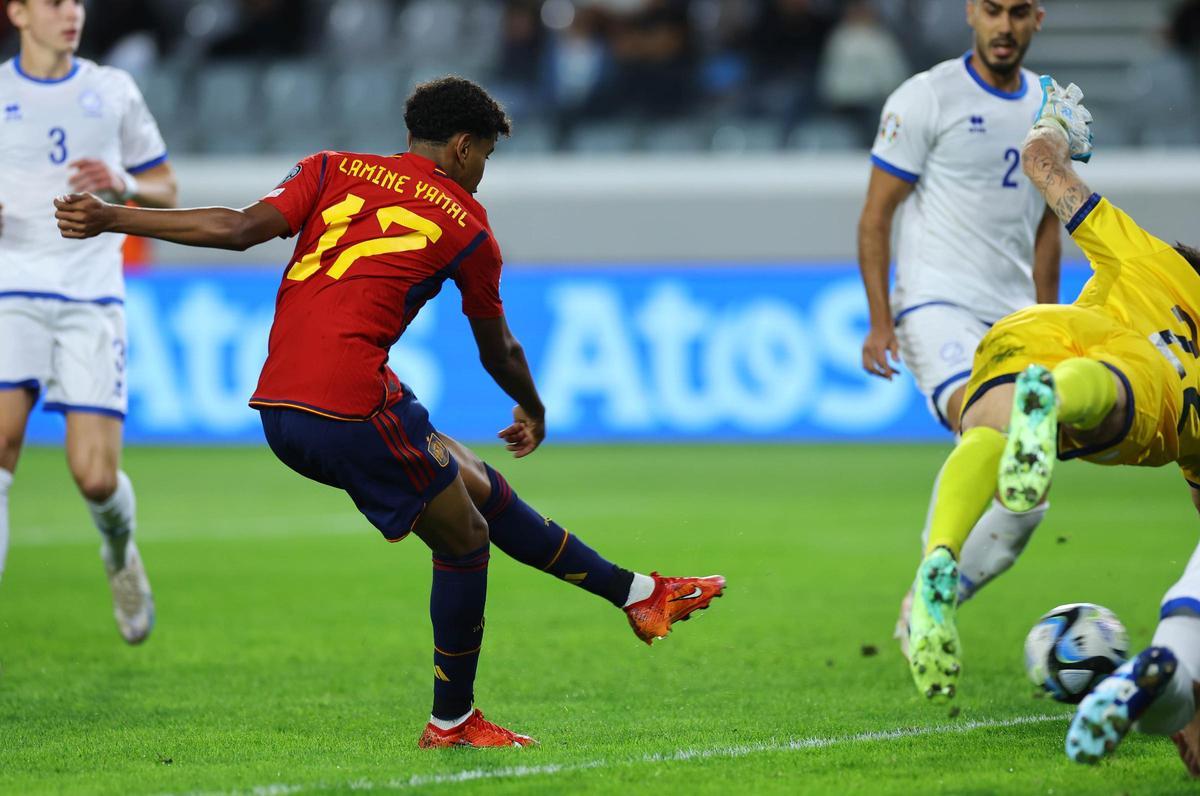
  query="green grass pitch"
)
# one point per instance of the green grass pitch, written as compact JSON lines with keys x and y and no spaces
{"x":292,"y":653}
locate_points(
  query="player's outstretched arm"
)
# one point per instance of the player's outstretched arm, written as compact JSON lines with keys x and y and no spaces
{"x":504,"y":360}
{"x":1047,"y":162}
{"x":85,"y":216}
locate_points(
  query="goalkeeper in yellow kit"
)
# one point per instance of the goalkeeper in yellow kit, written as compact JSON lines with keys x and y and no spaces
{"x":1113,"y":379}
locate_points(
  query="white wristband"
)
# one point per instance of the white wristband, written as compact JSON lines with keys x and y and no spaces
{"x":131,"y":186}
{"x":1051,"y":123}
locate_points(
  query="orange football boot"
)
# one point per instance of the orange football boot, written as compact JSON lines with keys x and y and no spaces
{"x":673,"y":600}
{"x":476,"y":732}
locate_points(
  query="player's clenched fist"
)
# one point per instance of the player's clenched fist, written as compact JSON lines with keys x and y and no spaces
{"x":81,"y":215}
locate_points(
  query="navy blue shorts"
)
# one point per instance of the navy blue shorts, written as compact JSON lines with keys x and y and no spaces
{"x":391,"y":465}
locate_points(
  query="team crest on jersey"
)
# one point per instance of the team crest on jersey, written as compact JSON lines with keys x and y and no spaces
{"x":12,"y":112}
{"x":438,"y":450}
{"x":953,"y":352}
{"x":889,"y":130}
{"x":290,"y":176}
{"x":92,"y":104}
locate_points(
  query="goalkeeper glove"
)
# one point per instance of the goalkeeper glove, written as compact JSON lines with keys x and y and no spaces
{"x":1063,"y":110}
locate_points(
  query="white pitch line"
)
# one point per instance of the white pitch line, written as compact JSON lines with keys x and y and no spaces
{"x":744,"y":750}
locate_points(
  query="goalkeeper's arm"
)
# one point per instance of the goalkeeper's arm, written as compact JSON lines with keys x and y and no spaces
{"x":1046,"y":157}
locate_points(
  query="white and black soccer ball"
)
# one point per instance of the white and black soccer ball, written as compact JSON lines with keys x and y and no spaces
{"x":1073,"y":647}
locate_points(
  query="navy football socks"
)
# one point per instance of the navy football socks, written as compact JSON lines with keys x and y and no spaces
{"x":543,"y":544}
{"x":456,"y":608}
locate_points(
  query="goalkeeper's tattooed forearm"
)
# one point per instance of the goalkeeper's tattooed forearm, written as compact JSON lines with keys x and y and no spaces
{"x":1063,"y":189}
{"x":1052,"y":174}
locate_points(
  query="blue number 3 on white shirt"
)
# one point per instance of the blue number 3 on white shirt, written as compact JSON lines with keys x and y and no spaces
{"x":59,"y":137}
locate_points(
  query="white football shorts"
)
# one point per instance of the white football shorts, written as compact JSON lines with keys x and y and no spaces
{"x":72,"y":353}
{"x":937,"y":345}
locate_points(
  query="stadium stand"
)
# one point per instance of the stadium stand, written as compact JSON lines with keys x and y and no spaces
{"x":267,"y":76}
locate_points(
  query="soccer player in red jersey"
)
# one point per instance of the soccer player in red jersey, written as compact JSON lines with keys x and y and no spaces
{"x":378,"y":237}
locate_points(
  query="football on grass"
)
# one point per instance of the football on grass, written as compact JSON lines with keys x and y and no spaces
{"x":1073,"y":647}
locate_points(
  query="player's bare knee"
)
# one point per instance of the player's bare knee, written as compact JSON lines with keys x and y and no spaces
{"x":94,"y":454}
{"x":463,"y":538}
{"x":451,"y":525}
{"x":96,"y":483}
{"x":10,"y":450}
{"x":14,"y":414}
{"x":477,"y":532}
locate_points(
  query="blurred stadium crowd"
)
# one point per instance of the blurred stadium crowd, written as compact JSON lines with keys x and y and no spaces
{"x":247,"y":76}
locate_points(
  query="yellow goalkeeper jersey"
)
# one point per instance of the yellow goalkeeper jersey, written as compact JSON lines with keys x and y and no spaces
{"x":1144,"y":284}
{"x":1138,"y":314}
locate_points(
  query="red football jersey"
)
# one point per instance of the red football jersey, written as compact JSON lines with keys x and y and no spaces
{"x":378,"y":237}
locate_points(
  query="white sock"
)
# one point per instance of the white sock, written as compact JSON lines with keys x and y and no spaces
{"x":994,"y":544}
{"x":449,"y":724}
{"x":115,"y":518}
{"x":6,"y":479}
{"x":641,"y":588}
{"x":1172,"y":711}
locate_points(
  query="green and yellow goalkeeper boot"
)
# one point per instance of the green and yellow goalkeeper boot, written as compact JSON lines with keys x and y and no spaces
{"x":1027,"y":463}
{"x":933,"y":645}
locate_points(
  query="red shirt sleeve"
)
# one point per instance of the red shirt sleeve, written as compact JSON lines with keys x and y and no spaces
{"x":296,"y":196}
{"x":478,"y":279}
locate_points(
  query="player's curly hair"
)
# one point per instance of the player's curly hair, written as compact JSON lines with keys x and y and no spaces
{"x":443,"y":108}
{"x":1191,"y":255}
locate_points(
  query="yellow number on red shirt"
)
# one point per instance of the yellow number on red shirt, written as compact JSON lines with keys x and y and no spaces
{"x":338,"y":218}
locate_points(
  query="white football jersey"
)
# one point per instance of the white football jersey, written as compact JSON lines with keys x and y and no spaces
{"x":966,"y":234}
{"x":94,"y":112}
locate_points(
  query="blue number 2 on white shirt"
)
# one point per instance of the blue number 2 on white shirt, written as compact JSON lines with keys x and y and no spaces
{"x":59,"y":137}
{"x":1014,"y":156}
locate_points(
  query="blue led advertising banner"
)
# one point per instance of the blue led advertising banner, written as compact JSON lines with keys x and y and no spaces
{"x":620,"y":353}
